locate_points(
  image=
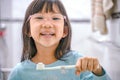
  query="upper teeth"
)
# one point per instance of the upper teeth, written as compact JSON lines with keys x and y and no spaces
{"x":47,"y":33}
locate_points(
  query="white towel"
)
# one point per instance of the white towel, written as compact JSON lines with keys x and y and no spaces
{"x":107,"y":8}
{"x":101,"y":12}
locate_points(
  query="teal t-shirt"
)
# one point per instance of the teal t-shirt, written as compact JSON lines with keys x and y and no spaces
{"x":26,"y":70}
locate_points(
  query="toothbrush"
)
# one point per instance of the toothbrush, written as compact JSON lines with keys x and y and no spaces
{"x":41,"y":66}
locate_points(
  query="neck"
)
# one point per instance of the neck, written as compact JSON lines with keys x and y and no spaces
{"x":45,"y":55}
{"x":46,"y":59}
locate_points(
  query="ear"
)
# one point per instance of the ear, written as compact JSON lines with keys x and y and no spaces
{"x":65,"y":33}
{"x":29,"y":34}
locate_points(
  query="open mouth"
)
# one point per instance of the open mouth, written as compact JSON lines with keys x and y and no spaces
{"x":47,"y":34}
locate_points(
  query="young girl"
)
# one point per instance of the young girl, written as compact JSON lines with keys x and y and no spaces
{"x":47,"y":39}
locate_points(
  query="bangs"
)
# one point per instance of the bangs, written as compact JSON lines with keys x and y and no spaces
{"x":49,"y":7}
{"x":46,"y":6}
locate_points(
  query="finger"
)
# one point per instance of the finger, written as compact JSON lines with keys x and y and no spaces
{"x":90,"y":64}
{"x":84,"y":63}
{"x":95,"y":63}
{"x":97,"y":67}
{"x":78,"y":67}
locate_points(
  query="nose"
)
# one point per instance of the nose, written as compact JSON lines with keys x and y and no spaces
{"x":47,"y":24}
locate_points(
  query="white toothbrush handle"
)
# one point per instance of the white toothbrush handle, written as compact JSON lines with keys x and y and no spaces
{"x":59,"y":67}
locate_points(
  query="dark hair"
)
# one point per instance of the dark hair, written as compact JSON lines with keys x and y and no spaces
{"x":29,"y":48}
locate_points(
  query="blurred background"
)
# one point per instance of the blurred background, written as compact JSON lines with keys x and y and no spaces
{"x":106,"y":47}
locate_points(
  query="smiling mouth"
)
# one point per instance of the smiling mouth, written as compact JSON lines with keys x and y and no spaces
{"x":47,"y":34}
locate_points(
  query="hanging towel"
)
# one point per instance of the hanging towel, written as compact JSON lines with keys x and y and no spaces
{"x":100,"y":13}
{"x":107,"y":8}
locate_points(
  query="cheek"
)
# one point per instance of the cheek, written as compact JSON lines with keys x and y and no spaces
{"x":60,"y":30}
{"x":34,"y":29}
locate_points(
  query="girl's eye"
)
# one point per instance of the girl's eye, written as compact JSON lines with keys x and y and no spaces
{"x":56,"y":18}
{"x":39,"y":17}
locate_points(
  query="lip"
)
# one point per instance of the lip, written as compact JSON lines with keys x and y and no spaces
{"x":47,"y":34}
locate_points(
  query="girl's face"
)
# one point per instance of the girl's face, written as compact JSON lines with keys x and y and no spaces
{"x":47,"y":29}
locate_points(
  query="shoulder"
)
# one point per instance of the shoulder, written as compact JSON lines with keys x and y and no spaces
{"x":72,"y":56}
{"x":14,"y":74}
{"x":73,"y":53}
{"x":16,"y":71}
{"x":21,"y":65}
